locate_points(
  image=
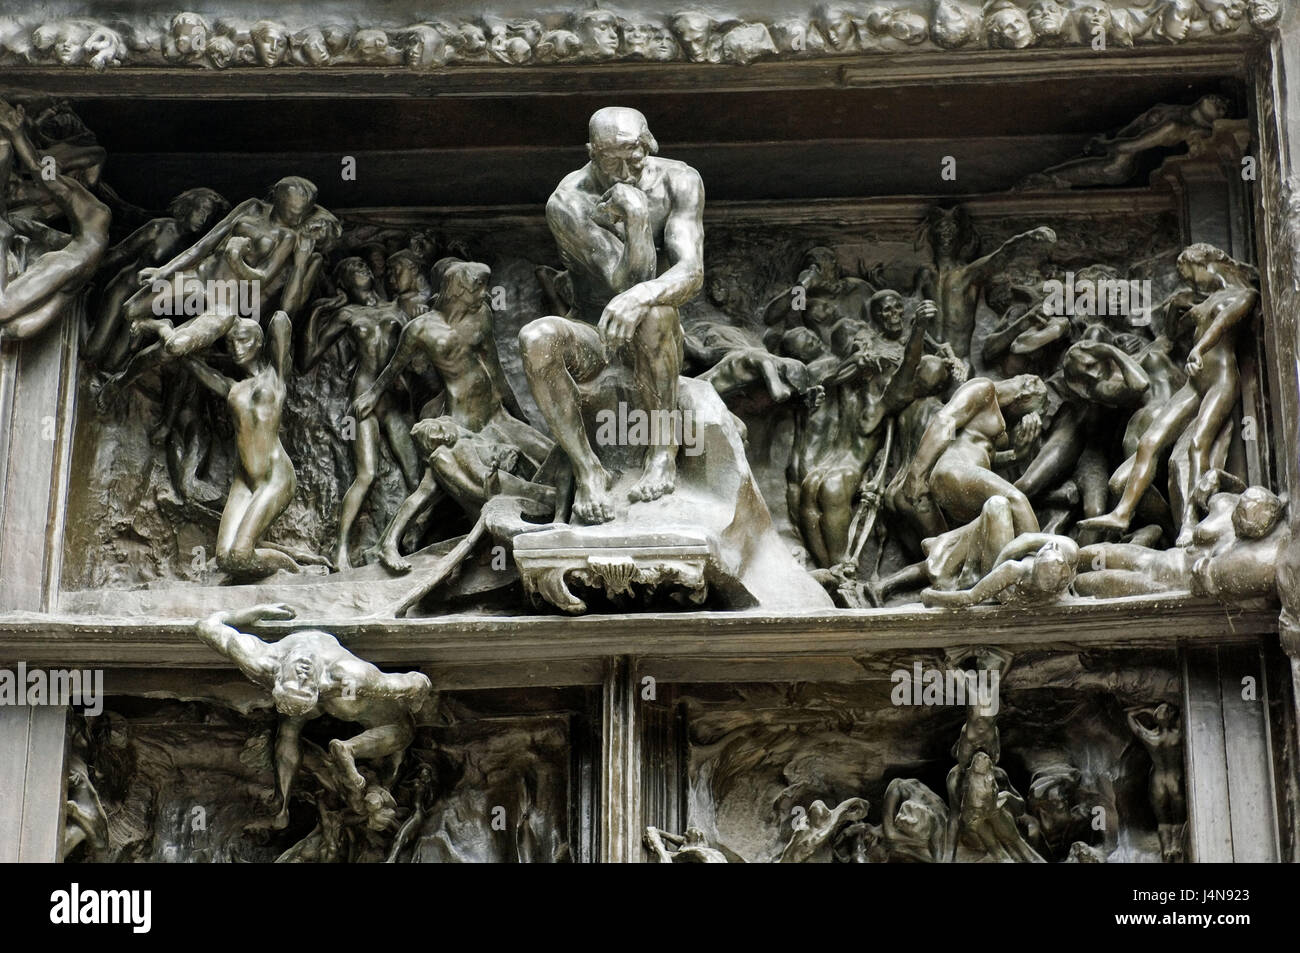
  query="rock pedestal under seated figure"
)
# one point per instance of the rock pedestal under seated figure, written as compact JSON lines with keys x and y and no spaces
{"x":711,"y":537}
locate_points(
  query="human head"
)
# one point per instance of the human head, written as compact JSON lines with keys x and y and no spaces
{"x":189,"y":34}
{"x":354,"y":276}
{"x":424,"y":46}
{"x":69,"y":45}
{"x":949,"y":230}
{"x":802,"y":344}
{"x":311,"y":47}
{"x":916,"y":819}
{"x":663,"y":47}
{"x":1053,"y":569}
{"x":297,"y":681}
{"x":402,"y":271}
{"x":221,"y":51}
{"x":598,"y":32}
{"x":1047,"y":17}
{"x":1257,"y":511}
{"x":1052,"y":792}
{"x":637,"y":37}
{"x":195,"y":209}
{"x":464,"y":282}
{"x":244,"y":341}
{"x":270,"y":41}
{"x":1007,"y":26}
{"x":619,"y":142}
{"x":693,"y":32}
{"x":1028,"y":394}
{"x":371,"y":46}
{"x":821,"y":266}
{"x":433,"y":433}
{"x":1212,"y":107}
{"x":1207,"y":267}
{"x":292,"y":198}
{"x":886,"y":309}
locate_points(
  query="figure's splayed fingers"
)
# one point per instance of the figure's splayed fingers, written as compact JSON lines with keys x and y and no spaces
{"x":658,"y":479}
{"x":592,"y":502}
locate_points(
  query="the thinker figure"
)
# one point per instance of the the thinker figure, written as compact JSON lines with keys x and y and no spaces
{"x":309,"y":674}
{"x":630,"y":230}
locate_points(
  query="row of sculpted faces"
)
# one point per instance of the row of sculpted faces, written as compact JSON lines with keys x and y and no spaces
{"x":834,"y":29}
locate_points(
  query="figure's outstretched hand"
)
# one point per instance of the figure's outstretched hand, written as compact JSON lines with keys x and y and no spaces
{"x":365,"y":404}
{"x":273,"y":612}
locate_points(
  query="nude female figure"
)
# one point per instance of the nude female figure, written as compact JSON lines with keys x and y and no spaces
{"x":34,"y":298}
{"x":373,"y":331}
{"x":264,"y":242}
{"x":264,"y":481}
{"x":953,"y":466}
{"x":190,"y":215}
{"x":1203,"y":404}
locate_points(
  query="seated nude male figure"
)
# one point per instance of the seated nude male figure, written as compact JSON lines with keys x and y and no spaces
{"x":630,"y":230}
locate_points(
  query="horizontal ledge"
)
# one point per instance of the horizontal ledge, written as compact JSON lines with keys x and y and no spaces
{"x":848,"y":211}
{"x":1155,"y":620}
{"x":1221,"y":57}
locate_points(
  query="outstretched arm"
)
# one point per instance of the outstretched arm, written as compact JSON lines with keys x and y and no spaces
{"x":204,"y":247}
{"x":216,"y":382}
{"x":255,"y":658}
{"x":1036,"y":240}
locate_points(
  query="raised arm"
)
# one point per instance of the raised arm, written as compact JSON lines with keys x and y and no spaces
{"x":313,"y":343}
{"x":1036,"y":240}
{"x":970,"y":398}
{"x":279,"y":338}
{"x":255,"y":658}
{"x":214,"y":381}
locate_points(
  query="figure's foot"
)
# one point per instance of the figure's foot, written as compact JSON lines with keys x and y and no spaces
{"x":345,"y":766}
{"x":1108,"y":523}
{"x":392,"y":559}
{"x":341,"y":559}
{"x":592,"y":502}
{"x":658,"y":479}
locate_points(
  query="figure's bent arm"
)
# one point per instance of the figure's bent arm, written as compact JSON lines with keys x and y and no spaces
{"x":255,"y":658}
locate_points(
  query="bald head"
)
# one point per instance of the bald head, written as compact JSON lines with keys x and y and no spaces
{"x":619,"y":141}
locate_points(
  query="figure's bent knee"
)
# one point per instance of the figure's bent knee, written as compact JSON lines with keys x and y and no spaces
{"x":538,"y":339}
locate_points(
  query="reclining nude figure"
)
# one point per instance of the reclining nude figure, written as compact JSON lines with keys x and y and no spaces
{"x":629,"y":226}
